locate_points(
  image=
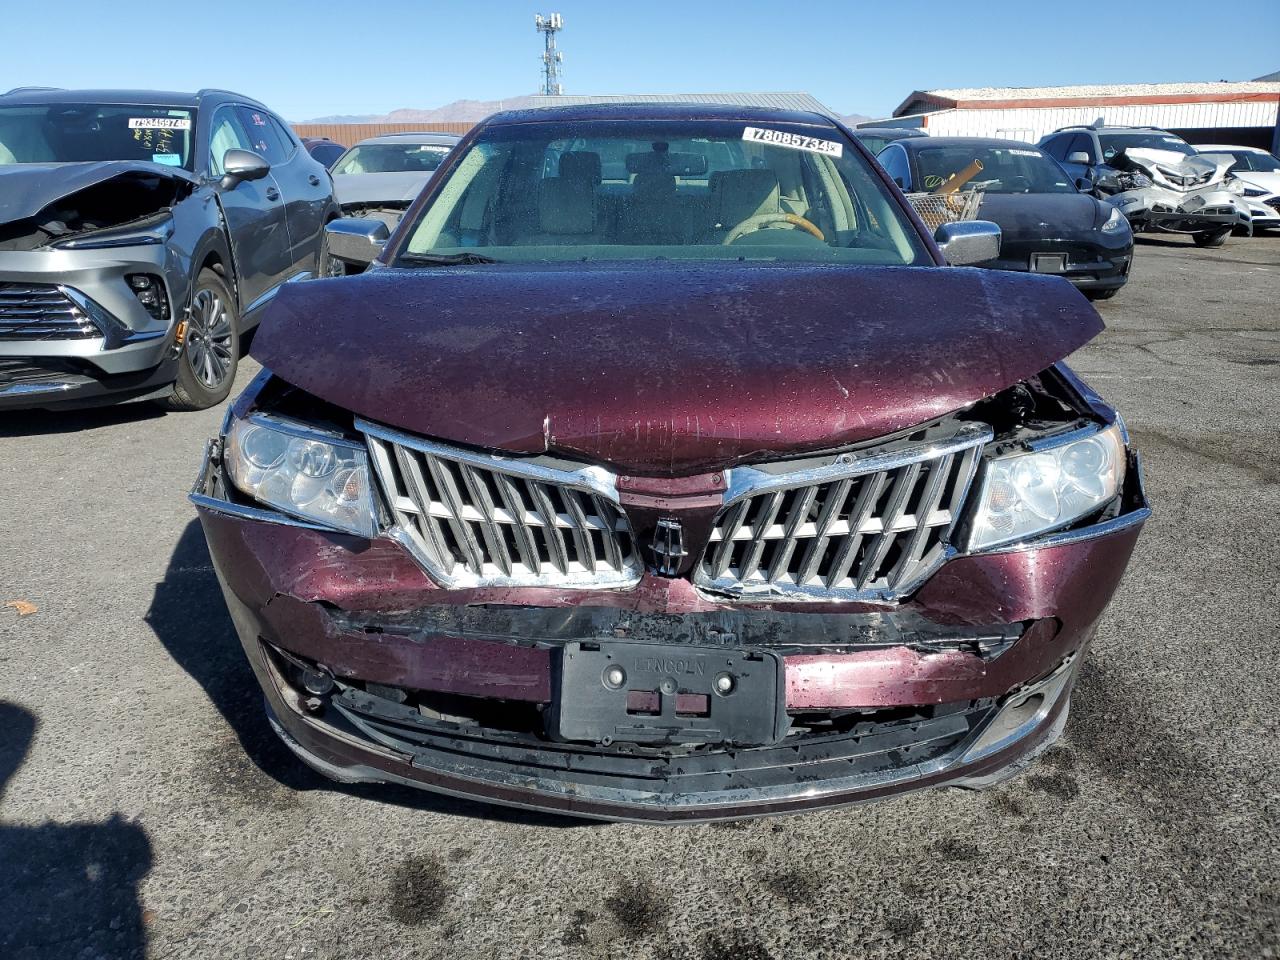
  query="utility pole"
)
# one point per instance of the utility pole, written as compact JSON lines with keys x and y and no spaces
{"x":551,"y":57}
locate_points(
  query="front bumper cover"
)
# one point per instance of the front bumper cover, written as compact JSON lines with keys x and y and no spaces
{"x":134,"y":355}
{"x":971,"y":674}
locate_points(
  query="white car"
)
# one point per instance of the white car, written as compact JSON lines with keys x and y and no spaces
{"x":1260,"y":172}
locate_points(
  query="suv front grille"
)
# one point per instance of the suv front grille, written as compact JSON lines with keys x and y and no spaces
{"x":474,"y":519}
{"x":41,"y":311}
{"x":862,"y":527}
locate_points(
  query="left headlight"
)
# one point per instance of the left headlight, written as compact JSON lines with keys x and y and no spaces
{"x":302,"y":472}
{"x":1025,"y":494}
{"x":1116,"y":222}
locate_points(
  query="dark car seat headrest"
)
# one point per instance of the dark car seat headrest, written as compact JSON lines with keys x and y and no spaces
{"x":567,"y":206}
{"x":737,"y":195}
{"x":580,"y":165}
{"x":653,"y":186}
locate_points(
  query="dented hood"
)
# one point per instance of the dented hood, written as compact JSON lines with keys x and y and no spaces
{"x":1177,"y":167}
{"x":665,"y":369}
{"x":27,"y":188}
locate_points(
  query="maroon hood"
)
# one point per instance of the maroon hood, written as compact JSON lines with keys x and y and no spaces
{"x":667,"y":368}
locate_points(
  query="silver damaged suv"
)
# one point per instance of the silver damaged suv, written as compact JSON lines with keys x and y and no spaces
{"x":141,"y":235}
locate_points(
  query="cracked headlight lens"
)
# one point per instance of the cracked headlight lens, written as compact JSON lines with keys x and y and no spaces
{"x":1025,"y":494}
{"x":302,"y":472}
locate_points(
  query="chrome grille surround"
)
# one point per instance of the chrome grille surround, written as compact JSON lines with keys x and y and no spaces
{"x":475,"y":519}
{"x":870,"y":525}
{"x":42,"y":311}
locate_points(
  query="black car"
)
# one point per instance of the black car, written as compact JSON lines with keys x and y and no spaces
{"x":1048,"y":224}
{"x":876,"y":139}
{"x":323,"y":149}
{"x":141,"y":234}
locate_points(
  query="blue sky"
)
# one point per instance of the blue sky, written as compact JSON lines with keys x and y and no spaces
{"x":322,"y":57}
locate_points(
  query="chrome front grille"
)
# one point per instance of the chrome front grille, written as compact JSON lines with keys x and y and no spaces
{"x":474,"y":519}
{"x":870,"y":526}
{"x":41,"y":311}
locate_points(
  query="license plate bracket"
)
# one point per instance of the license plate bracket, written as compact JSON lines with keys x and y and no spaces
{"x":1048,"y":263}
{"x":665,"y":693}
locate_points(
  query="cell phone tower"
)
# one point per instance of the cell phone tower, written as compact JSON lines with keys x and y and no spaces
{"x":549,"y":26}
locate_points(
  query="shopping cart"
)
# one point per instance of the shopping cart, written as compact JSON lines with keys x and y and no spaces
{"x":935,"y":209}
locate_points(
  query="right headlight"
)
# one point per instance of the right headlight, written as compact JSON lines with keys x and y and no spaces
{"x":302,"y":472}
{"x":1025,"y":494}
{"x":1116,"y":222}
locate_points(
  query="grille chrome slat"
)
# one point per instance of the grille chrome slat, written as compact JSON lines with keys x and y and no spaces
{"x":475,"y":519}
{"x":41,"y":312}
{"x":871,"y":526}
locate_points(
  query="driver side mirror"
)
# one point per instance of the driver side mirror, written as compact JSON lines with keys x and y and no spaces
{"x":1078,"y":156}
{"x":239,"y":165}
{"x":352,"y":240}
{"x":968,"y":241}
{"x":1085,"y":184}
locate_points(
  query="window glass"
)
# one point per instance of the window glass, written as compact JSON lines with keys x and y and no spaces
{"x":1113,"y":143}
{"x":665,"y":189}
{"x":392,"y":158}
{"x":327,"y":153}
{"x":1261,"y":162}
{"x":284,"y":134}
{"x":1056,"y":147}
{"x":77,"y":132}
{"x":225,"y":134}
{"x":263,"y":137}
{"x":1004,"y":169}
{"x":1081,"y":143}
{"x":894,"y":161}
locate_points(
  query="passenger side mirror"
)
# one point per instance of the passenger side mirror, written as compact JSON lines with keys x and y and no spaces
{"x":355,"y":241}
{"x":968,"y":241}
{"x":1078,"y":156}
{"x":239,"y":165}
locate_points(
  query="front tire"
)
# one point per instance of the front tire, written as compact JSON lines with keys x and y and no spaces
{"x":1215,"y":239}
{"x":210,"y":348}
{"x":1101,"y":294}
{"x":329,"y":265}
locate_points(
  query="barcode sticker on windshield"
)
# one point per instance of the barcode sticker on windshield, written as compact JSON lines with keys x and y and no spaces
{"x":159,"y":123}
{"x":793,"y":141}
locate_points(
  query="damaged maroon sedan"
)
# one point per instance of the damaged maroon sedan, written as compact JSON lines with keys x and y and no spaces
{"x":661,"y":468}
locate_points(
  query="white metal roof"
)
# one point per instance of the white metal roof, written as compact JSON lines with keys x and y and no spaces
{"x":1084,"y":91}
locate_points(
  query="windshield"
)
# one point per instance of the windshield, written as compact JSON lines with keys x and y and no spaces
{"x":1248,"y":160}
{"x":1004,"y":169}
{"x":663,"y":189}
{"x":1113,"y":143}
{"x":392,"y":158}
{"x":77,"y":132}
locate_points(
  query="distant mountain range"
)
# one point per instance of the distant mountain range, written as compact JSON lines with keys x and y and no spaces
{"x":461,"y":111}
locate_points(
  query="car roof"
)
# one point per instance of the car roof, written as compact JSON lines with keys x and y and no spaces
{"x":1229,"y":146}
{"x":916,"y":144}
{"x":166,"y":98}
{"x":656,"y":111}
{"x":901,"y":132}
{"x":439,"y":139}
{"x":1086,"y":128}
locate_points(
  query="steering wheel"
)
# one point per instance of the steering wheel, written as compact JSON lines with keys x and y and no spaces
{"x":760,"y":220}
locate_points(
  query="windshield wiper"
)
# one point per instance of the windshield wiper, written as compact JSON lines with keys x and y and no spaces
{"x":447,"y":259}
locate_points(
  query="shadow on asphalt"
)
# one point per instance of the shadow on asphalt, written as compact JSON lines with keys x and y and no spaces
{"x":25,"y":423}
{"x":188,"y":616}
{"x":69,"y":889}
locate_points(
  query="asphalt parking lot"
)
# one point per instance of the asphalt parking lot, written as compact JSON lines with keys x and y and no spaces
{"x":148,"y":810}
